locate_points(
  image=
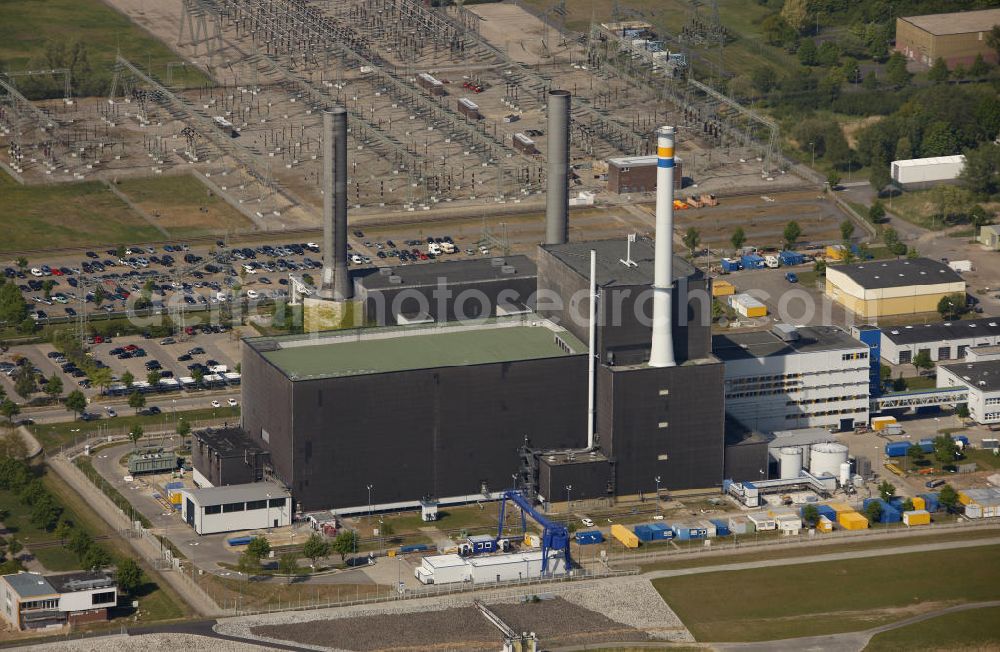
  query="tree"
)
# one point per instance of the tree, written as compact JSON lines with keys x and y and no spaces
{"x":738,"y":238}
{"x":76,"y":402}
{"x":129,"y":575}
{"x":54,"y":386}
{"x":846,"y":230}
{"x":892,"y":243}
{"x":764,"y":78}
{"x":993,"y":39}
{"x":691,"y":239}
{"x":345,"y":543}
{"x":938,"y":72}
{"x":939,"y":139}
{"x":79,"y":543}
{"x":828,"y":54}
{"x":886,"y":489}
{"x":945,"y":449}
{"x":288,"y":564}
{"x":833,"y":178}
{"x":873,"y":511}
{"x":819,"y":266}
{"x":810,"y":515}
{"x":915,"y":454}
{"x":386,"y":529}
{"x":962,"y":411}
{"x":978,"y":217}
{"x":12,"y":446}
{"x":13,"y":308}
{"x":9,"y":409}
{"x":153,"y":377}
{"x":64,"y":530}
{"x":948,"y":497}
{"x":14,"y":548}
{"x":258,"y":547}
{"x":922,"y":360}
{"x":884,"y":372}
{"x":979,"y":67}
{"x":981,"y":173}
{"x":316,"y":547}
{"x":24,"y":381}
{"x":895,"y":70}
{"x":47,"y":286}
{"x":951,"y":306}
{"x":101,"y":377}
{"x":796,"y":14}
{"x":791,"y":234}
{"x":45,"y":512}
{"x":98,"y":295}
{"x":95,"y":557}
{"x":807,"y":53}
{"x":248,"y":564}
{"x":876,"y":213}
{"x":870,"y":81}
{"x":137,"y":401}
{"x":197,"y":375}
{"x":184,"y":428}
{"x":135,"y":434}
{"x":127,"y":379}
{"x":21,"y":262}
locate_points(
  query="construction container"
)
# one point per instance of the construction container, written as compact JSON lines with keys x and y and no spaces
{"x":931,"y":502}
{"x":239,"y":541}
{"x":836,"y":252}
{"x":710,"y":530}
{"x":532,"y":540}
{"x":961,"y":440}
{"x":824,"y":524}
{"x":840,"y":508}
{"x":624,"y":535}
{"x":746,"y":305}
{"x":589,"y":537}
{"x":762,"y":522}
{"x":791,"y":258}
{"x":689,"y":532}
{"x":889,"y":513}
{"x":897,"y":448}
{"x":923,"y":172}
{"x":788,"y":523}
{"x":878,"y":423}
{"x":919,"y":503}
{"x":926,"y":445}
{"x":822,"y":510}
{"x":643,"y":532}
{"x":722,"y":288}
{"x":731,"y":265}
{"x":752,"y":261}
{"x":852,"y":521}
{"x":740,"y":525}
{"x":972,"y":510}
{"x":416,"y":547}
{"x":917,"y":517}
{"x":662,"y":532}
{"x":964,"y":497}
{"x":721,"y":527}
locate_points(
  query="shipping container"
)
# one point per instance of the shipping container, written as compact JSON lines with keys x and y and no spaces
{"x":922,"y":172}
{"x":931,"y":502}
{"x":926,"y":445}
{"x":731,"y":265}
{"x":689,"y":532}
{"x":624,"y":535}
{"x":791,"y":258}
{"x":852,"y":521}
{"x":747,"y":306}
{"x":589,"y":537}
{"x":973,"y":510}
{"x":836,"y":252}
{"x":721,"y":527}
{"x":840,"y":508}
{"x":643,"y":532}
{"x":416,"y":547}
{"x":889,"y":513}
{"x":239,"y":541}
{"x":960,"y":439}
{"x":722,"y":288}
{"x":897,"y":448}
{"x":740,"y":525}
{"x":762,"y":522}
{"x":878,"y":423}
{"x":662,"y":532}
{"x":789,"y":523}
{"x":752,"y":261}
{"x":709,"y":527}
{"x":824,"y":524}
{"x":917,"y":517}
{"x":919,"y":503}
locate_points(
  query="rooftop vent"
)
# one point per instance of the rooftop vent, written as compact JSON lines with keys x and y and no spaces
{"x":498,"y":262}
{"x":508,"y":269}
{"x":395,"y":280}
{"x":993,"y":324}
{"x":786,"y":332}
{"x":894,"y":332}
{"x":385,"y":271}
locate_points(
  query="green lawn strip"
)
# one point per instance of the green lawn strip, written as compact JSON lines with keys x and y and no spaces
{"x":18,"y":521}
{"x":828,"y":598}
{"x":185,"y":192}
{"x":54,"y":435}
{"x":70,"y":215}
{"x":975,"y":629}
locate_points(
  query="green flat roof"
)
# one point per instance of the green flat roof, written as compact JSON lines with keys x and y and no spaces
{"x":445,"y":347}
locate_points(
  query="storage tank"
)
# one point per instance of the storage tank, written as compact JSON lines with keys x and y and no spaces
{"x":790,"y":462}
{"x":825,"y":459}
{"x":845,"y":473}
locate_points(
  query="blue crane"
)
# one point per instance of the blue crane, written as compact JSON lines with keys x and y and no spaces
{"x":555,"y":536}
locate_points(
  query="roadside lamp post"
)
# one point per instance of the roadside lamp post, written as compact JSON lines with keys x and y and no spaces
{"x":370,"y":501}
{"x":569,"y":500}
{"x":657,"y":479}
{"x":268,"y":511}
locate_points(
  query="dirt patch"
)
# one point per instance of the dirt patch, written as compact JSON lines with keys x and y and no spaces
{"x":555,"y":621}
{"x":852,"y":128}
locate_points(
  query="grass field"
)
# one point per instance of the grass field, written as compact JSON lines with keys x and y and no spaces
{"x":18,"y":522}
{"x":828,"y":598}
{"x":184,"y":206}
{"x":54,"y":435}
{"x":28,"y":24}
{"x":975,"y":629}
{"x":65,"y":215}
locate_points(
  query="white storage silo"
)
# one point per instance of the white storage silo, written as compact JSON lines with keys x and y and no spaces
{"x":825,"y":459}
{"x":845,"y":473}
{"x":790,"y":462}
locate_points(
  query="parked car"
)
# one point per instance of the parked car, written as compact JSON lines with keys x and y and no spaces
{"x":791,"y":277}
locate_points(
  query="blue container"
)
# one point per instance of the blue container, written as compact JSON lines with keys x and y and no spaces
{"x":174,"y":485}
{"x":889,"y":513}
{"x":926,"y":445}
{"x":822,"y":510}
{"x":791,"y":258}
{"x":897,"y":448}
{"x":415,"y":547}
{"x":961,"y":438}
{"x":662,"y":532}
{"x":752,"y":261}
{"x":731,"y":265}
{"x":687,"y":532}
{"x":589,"y":537}
{"x":644,"y":532}
{"x":721,"y":527}
{"x":239,"y":541}
{"x":896,"y":502}
{"x":931,"y":502}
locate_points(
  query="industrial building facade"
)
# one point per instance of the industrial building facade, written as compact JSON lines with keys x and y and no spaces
{"x":892,"y":287}
{"x":958,"y":37}
{"x":795,"y":377}
{"x":638,"y":174}
{"x":942,"y":341}
{"x":253,"y":506}
{"x":982,"y":380}
{"x":35,"y":601}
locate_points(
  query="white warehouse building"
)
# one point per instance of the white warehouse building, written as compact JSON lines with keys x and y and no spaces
{"x":795,"y":377}
{"x":941,"y":340}
{"x":915,"y":173}
{"x":982,"y":380}
{"x":254,"y":506}
{"x":451,"y":569}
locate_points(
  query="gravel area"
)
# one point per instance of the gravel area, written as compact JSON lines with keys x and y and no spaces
{"x":556,"y":621}
{"x":146,"y":643}
{"x":634,"y":604}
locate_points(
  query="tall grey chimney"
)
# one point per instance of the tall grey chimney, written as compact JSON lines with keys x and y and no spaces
{"x":557,"y":197}
{"x":336,"y":280}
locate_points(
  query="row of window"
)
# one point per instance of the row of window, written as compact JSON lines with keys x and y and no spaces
{"x":855,"y":356}
{"x":773,"y":392}
{"x":824,"y":413}
{"x":990,"y":416}
{"x":742,"y":380}
{"x":229,"y":508}
{"x":103,"y":598}
{"x":49,"y":603}
{"x":993,"y":401}
{"x":832,"y":399}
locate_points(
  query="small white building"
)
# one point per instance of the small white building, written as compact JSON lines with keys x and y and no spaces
{"x":35,"y":601}
{"x":253,"y":506}
{"x":915,"y":173}
{"x":948,"y":340}
{"x":521,"y":565}
{"x":982,"y":380}
{"x":443,"y":569}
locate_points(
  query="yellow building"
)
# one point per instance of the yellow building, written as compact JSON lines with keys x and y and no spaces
{"x":892,"y":287}
{"x":958,"y":37}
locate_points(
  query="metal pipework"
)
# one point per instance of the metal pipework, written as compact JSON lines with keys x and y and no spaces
{"x":661,"y":352}
{"x":557,"y":195}
{"x":336,"y":280}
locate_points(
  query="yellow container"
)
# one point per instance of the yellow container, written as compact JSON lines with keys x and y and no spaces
{"x":917,"y":517}
{"x":625,"y":535}
{"x":964,"y":498}
{"x":175,"y":498}
{"x":722,"y":288}
{"x":878,"y":423}
{"x":852,"y":521}
{"x":836,"y":252}
{"x":840,"y":507}
{"x":756,"y":311}
{"x":391,"y":553}
{"x":919,"y":503}
{"x":824,"y":524}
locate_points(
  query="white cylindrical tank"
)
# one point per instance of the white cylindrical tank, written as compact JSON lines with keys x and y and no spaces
{"x":845,"y":473}
{"x":825,"y":459}
{"x":790,"y":462}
